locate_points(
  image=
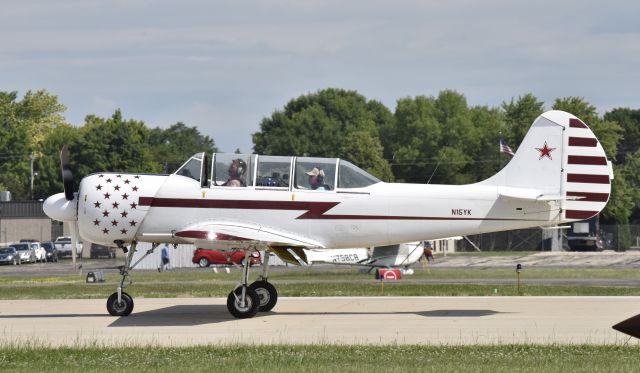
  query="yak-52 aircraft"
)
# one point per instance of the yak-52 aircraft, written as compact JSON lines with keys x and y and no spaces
{"x":559,"y":174}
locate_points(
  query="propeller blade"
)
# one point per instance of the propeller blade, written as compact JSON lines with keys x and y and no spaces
{"x":67,"y":175}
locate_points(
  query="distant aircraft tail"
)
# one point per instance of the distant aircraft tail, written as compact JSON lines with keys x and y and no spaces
{"x":560,"y":159}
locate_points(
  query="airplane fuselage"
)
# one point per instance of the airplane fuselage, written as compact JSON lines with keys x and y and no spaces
{"x":152,"y":208}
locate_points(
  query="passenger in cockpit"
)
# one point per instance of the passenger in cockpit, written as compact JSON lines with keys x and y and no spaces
{"x":237,"y":169}
{"x":316,"y":180}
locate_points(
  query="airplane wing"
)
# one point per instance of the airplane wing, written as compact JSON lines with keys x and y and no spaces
{"x":242,"y":235}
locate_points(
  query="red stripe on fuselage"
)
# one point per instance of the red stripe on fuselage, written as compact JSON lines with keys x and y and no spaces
{"x":315,"y":210}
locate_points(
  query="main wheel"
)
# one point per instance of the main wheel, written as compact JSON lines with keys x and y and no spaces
{"x":251,"y":304}
{"x":267,"y":293}
{"x":203,"y":262}
{"x":123,"y":308}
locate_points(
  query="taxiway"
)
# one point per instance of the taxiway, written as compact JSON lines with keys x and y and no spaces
{"x":326,"y":320}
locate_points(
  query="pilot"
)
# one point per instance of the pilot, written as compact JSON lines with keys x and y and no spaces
{"x":316,"y":179}
{"x":237,"y":169}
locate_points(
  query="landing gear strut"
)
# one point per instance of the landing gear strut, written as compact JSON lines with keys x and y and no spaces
{"x":121,"y":303}
{"x":246,"y":300}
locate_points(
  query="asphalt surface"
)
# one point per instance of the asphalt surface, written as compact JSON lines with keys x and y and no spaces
{"x":331,"y":320}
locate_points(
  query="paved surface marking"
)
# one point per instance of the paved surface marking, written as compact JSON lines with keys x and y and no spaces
{"x":340,"y":320}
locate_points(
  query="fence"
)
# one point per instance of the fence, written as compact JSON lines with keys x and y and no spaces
{"x":614,"y":237}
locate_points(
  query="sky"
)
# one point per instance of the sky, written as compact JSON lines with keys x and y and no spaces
{"x":223,"y":66}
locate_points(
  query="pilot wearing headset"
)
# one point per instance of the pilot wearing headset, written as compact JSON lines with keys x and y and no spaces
{"x":237,"y":169}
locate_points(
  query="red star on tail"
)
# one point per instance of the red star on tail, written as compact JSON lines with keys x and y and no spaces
{"x":545,"y":151}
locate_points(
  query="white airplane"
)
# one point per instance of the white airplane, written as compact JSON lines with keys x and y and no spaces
{"x":559,"y":174}
{"x":389,"y":256}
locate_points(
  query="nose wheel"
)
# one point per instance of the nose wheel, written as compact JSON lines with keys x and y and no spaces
{"x":122,"y":307}
{"x":121,"y":303}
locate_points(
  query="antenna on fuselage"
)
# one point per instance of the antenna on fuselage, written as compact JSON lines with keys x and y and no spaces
{"x":434,"y":172}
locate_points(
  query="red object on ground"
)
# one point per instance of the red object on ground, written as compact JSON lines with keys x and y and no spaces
{"x":389,"y":274}
{"x":205,"y":257}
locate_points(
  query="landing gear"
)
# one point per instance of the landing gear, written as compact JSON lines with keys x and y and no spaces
{"x":243,"y":302}
{"x":123,"y":307}
{"x":267,"y":292}
{"x":246,"y":300}
{"x":121,"y":303}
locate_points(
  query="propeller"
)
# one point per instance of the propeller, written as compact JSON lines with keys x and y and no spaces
{"x":67,"y":182}
{"x":67,"y":175}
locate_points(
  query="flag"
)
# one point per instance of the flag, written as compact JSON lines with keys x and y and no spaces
{"x":504,"y":148}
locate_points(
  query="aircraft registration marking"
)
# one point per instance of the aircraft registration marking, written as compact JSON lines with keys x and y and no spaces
{"x":461,"y":212}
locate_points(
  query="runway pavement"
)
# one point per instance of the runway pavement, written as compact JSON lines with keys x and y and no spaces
{"x":339,"y":320}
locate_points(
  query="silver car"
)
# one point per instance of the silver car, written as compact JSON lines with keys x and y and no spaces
{"x":9,"y":255}
{"x":27,"y":254}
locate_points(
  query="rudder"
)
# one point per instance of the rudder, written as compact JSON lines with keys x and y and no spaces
{"x":559,"y":159}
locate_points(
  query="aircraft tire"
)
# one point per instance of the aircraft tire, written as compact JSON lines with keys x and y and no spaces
{"x":122,"y":309}
{"x":267,"y":293}
{"x":251,"y":308}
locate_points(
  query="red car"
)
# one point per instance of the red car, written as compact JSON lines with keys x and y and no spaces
{"x":206,"y":257}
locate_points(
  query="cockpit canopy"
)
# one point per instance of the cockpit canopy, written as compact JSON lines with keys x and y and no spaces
{"x":275,"y":172}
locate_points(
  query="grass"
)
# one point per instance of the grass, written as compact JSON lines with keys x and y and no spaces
{"x":317,"y":281}
{"x":324,"y":358}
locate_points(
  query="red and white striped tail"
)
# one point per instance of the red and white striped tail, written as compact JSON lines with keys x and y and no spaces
{"x":587,"y":183}
{"x":560,"y":161}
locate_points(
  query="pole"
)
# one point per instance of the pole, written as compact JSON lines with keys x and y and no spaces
{"x":31,"y":158}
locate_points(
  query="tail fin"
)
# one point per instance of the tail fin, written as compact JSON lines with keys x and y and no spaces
{"x":560,"y":159}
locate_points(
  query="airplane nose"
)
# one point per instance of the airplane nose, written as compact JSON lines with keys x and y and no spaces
{"x":57,"y":207}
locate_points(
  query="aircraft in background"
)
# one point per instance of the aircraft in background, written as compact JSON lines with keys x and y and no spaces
{"x":389,"y":256}
{"x":559,"y":174}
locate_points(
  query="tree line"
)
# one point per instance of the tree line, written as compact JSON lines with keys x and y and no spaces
{"x":435,"y":139}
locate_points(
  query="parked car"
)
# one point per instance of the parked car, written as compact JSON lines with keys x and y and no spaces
{"x":26,"y":252}
{"x":206,"y":257}
{"x":41,"y":253}
{"x":9,"y":255}
{"x":63,"y":245}
{"x":98,"y":251}
{"x":52,"y":252}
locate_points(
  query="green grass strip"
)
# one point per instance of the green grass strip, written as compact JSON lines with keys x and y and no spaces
{"x":323,"y":358}
{"x":193,"y":290}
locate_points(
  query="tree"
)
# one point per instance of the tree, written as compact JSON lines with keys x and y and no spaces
{"x":173,"y":146}
{"x":608,"y":133}
{"x":317,"y":124}
{"x":329,"y":123}
{"x":113,"y":144}
{"x":365,"y":150}
{"x":519,"y":116}
{"x":438,"y":139}
{"x":49,"y":179}
{"x":629,"y":120}
{"x":25,"y":125}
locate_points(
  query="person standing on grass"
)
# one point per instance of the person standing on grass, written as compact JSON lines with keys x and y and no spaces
{"x":165,"y":259}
